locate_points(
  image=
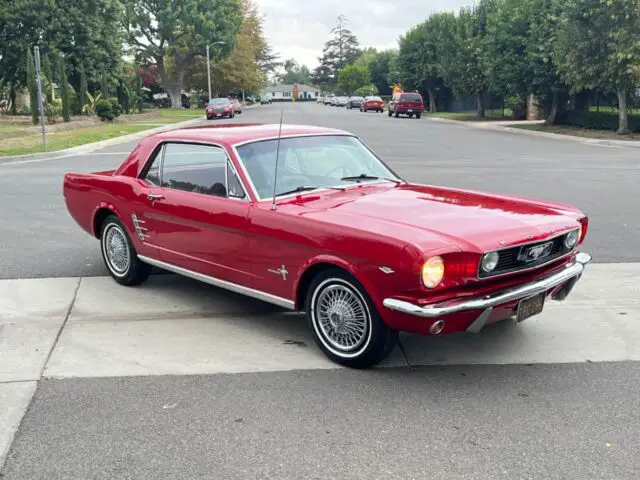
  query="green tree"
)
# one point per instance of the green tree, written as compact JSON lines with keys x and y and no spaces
{"x":88,"y":32}
{"x":380,"y":67}
{"x":545,"y":79}
{"x":294,"y":73}
{"x":353,"y":77}
{"x":64,"y":88}
{"x":509,"y":69}
{"x":367,"y":56}
{"x":417,"y":62}
{"x":47,"y":73}
{"x":598,"y":47}
{"x":341,"y":50}
{"x":31,"y":85}
{"x":241,"y":71}
{"x":82,"y":93}
{"x":138,"y":90}
{"x":465,"y":66}
{"x":180,"y":31}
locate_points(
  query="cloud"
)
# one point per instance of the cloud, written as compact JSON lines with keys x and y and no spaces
{"x":299,"y":29}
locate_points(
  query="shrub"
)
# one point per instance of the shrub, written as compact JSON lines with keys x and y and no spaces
{"x":108,"y":109}
{"x":53,"y":110}
{"x":596,"y":120}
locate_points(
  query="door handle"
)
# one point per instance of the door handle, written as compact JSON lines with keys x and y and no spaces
{"x":154,"y":196}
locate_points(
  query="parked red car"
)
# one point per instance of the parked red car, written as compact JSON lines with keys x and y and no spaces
{"x":365,"y":253}
{"x":372,"y":103}
{"x":219,"y":108}
{"x":236,"y":105}
{"x":406,"y":103}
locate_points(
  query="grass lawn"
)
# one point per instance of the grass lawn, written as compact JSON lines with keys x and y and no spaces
{"x":30,"y":141}
{"x":181,"y":112}
{"x":578,"y":132}
{"x":471,"y":116}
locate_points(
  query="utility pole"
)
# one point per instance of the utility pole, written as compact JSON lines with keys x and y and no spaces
{"x":208,"y":75}
{"x":36,"y":52}
{"x":209,"y":67}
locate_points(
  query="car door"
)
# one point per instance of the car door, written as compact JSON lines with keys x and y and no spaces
{"x":200,"y":213}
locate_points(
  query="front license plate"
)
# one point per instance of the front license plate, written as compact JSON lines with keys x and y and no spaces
{"x":409,"y":110}
{"x":529,"y":307}
{"x":218,"y":114}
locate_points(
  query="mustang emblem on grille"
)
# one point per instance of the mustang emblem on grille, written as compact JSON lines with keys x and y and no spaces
{"x":536,"y":252}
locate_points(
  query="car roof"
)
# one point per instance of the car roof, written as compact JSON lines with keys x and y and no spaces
{"x":231,"y":134}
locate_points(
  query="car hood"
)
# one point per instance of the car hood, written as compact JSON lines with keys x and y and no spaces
{"x":435,"y":218}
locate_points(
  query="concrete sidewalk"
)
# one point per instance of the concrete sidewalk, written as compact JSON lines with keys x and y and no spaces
{"x":92,"y":327}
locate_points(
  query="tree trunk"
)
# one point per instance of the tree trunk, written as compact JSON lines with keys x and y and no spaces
{"x":174,"y":90}
{"x":12,"y":99}
{"x":432,"y":100}
{"x":623,"y":124}
{"x":481,"y":108}
{"x":551,"y":119}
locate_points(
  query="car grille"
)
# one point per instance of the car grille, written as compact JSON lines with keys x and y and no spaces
{"x":511,"y":258}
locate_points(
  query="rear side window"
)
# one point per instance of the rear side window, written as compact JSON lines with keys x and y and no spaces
{"x":410,"y":97}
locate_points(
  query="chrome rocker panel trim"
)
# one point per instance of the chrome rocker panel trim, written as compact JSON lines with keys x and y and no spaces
{"x":570,"y":274}
{"x":234,"y":287}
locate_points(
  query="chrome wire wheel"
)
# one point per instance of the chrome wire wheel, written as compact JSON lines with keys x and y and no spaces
{"x":342,"y":317}
{"x":116,"y":250}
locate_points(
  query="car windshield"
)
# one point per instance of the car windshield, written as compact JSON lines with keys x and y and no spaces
{"x":219,"y":101}
{"x":318,"y":161}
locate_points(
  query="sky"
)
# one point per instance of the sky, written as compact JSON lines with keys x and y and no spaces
{"x":299,"y":28}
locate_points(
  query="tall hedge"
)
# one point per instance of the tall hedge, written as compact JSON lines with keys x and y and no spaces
{"x":33,"y":89}
{"x":82,"y":95}
{"x":64,"y":88}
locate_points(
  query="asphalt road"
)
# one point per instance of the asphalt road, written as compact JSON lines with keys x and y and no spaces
{"x":39,"y":239}
{"x":570,"y":422}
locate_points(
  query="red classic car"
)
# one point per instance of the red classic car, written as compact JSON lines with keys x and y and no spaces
{"x":219,"y":108}
{"x":311,"y":219}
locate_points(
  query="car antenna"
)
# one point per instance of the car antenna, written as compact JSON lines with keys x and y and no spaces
{"x":275,"y":178}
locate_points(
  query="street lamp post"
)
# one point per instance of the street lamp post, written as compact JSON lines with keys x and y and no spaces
{"x":209,"y":67}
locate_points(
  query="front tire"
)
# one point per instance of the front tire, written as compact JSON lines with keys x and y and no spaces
{"x":119,"y":254}
{"x":345,"y":323}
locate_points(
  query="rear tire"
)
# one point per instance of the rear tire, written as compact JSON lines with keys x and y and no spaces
{"x":119,"y":254}
{"x":389,"y":112}
{"x":344,"y":321}
{"x":418,"y":115}
{"x":397,"y":114}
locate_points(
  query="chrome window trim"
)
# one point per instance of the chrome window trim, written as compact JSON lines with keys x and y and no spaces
{"x":260,"y":199}
{"x":209,"y":144}
{"x":515,"y":272}
{"x":216,"y":282}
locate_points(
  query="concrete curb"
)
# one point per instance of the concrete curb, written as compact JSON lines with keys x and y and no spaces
{"x":522,"y":131}
{"x":89,"y":147}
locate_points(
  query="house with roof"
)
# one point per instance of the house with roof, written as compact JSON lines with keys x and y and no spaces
{"x":284,"y":92}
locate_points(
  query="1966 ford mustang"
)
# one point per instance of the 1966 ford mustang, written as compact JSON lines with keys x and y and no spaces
{"x":311,"y":219}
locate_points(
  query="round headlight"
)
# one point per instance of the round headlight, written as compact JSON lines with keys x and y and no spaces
{"x":432,"y":272}
{"x":571,"y":239}
{"x":489,"y":261}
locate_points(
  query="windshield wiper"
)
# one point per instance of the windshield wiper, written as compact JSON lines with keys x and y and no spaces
{"x":364,"y":176}
{"x":308,"y":188}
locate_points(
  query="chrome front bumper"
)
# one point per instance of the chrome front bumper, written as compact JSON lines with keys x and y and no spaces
{"x":570,"y":274}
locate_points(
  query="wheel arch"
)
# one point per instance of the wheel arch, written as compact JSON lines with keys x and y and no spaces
{"x":100,"y":214}
{"x":317,"y":265}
